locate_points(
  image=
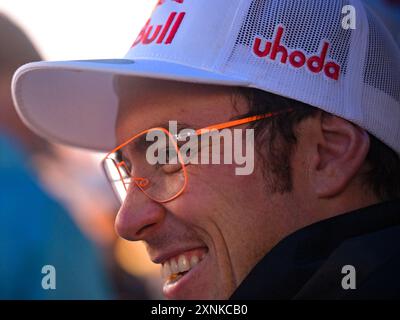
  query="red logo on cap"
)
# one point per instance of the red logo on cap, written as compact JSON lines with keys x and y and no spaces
{"x":161,"y":2}
{"x":159,"y":33}
{"x":297,"y":59}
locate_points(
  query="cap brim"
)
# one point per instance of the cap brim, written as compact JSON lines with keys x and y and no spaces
{"x":75,"y":103}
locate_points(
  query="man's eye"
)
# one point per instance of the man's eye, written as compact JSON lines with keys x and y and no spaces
{"x":171,"y":163}
{"x":171,"y":168}
{"x":167,"y":156}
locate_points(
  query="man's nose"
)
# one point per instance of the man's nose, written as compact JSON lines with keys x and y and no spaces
{"x":139,"y":217}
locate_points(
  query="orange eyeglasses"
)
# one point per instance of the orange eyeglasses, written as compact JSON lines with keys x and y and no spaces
{"x":160,"y":182}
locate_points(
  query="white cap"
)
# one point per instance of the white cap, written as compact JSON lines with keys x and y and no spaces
{"x":297,"y":49}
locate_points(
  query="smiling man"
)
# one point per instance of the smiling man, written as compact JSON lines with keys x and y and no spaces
{"x":319,"y":215}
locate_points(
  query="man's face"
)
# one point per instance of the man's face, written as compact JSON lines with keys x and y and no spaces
{"x":223,"y":221}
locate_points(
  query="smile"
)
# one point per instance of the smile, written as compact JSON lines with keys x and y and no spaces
{"x":174,"y":268}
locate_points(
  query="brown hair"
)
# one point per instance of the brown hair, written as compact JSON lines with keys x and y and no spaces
{"x":279,"y":133}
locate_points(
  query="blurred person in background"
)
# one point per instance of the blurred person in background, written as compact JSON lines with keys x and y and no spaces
{"x":35,"y":229}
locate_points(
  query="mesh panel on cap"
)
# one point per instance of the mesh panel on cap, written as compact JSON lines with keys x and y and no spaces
{"x":382,"y":62}
{"x":367,"y":89}
{"x":306,"y":24}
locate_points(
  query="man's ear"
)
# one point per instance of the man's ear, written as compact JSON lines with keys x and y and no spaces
{"x":341,"y":152}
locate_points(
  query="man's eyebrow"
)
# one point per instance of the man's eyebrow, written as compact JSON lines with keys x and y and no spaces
{"x":180,"y":125}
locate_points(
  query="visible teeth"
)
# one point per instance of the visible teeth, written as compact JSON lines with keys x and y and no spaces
{"x":193,"y":261}
{"x":183,"y":264}
{"x":171,"y":269}
{"x":174,"y":266}
{"x":166,"y":270}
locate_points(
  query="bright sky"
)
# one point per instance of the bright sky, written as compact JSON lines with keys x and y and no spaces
{"x":80,"y":29}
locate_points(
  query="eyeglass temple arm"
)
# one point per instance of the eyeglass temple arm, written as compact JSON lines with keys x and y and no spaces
{"x":239,"y":122}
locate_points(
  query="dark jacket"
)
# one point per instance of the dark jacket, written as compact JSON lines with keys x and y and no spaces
{"x":309,"y":263}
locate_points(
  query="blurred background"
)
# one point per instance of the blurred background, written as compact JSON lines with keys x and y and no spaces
{"x":55,"y":206}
